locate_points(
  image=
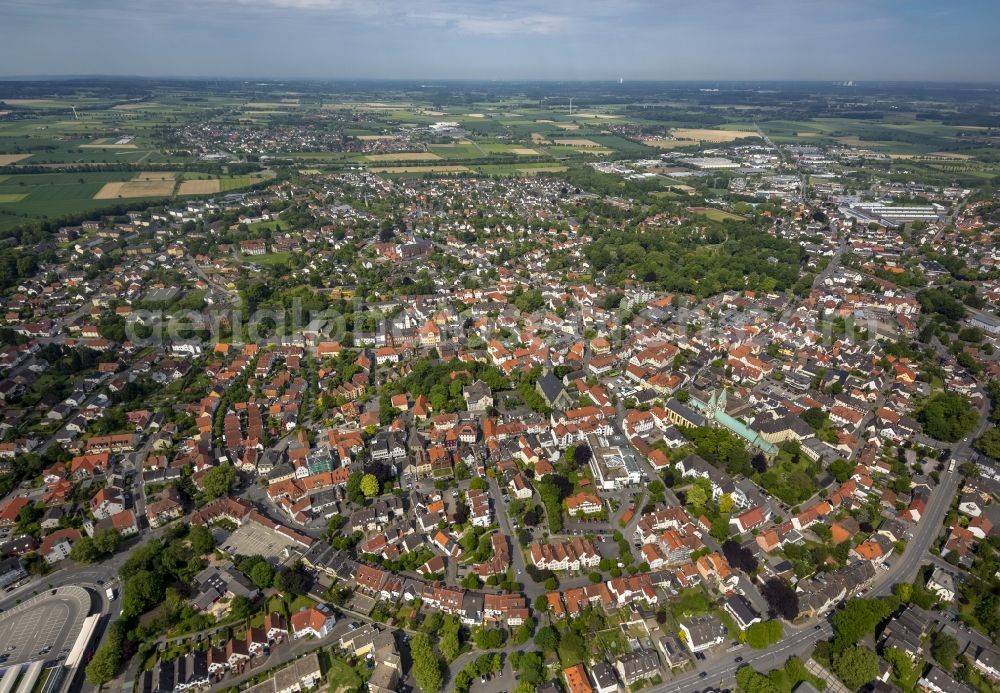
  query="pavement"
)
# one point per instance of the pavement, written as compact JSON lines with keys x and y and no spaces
{"x":44,"y":627}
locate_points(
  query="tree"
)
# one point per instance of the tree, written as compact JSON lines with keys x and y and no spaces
{"x":904,"y":672}
{"x":449,"y":643}
{"x":142,"y":590}
{"x":524,"y":632}
{"x":218,"y":481}
{"x":426,"y":667}
{"x":262,"y":575}
{"x":547,"y":638}
{"x":582,"y":455}
{"x":815,"y":417}
{"x":107,"y":540}
{"x":944,"y":649}
{"x":781,"y":599}
{"x":201,"y":540}
{"x":353,"y":488}
{"x":726,"y":503}
{"x":989,"y":443}
{"x":84,"y":551}
{"x":750,"y":680}
{"x":903,"y":591}
{"x":488,"y":638}
{"x":860,"y":617}
{"x":103,"y":666}
{"x":764,"y":634}
{"x":292,"y":581}
{"x":947,"y":416}
{"x":369,"y":485}
{"x":240,"y":607}
{"x":855,"y":666}
{"x":696,"y":497}
{"x":739,"y":557}
{"x":841,"y":470}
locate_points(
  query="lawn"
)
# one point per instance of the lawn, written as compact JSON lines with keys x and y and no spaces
{"x":342,"y":676}
{"x":718,"y":214}
{"x":270,"y":259}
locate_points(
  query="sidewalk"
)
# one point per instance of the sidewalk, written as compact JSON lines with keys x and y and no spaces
{"x":833,"y":684}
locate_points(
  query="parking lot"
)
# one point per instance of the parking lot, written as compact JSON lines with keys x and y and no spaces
{"x":44,"y":627}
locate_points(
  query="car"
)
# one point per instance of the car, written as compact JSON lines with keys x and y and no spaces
{"x":739,"y":659}
{"x":819,"y":626}
{"x":11,"y":648}
{"x":482,"y":679}
{"x":703,"y":675}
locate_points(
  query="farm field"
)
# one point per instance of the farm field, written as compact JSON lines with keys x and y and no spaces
{"x":420,"y":169}
{"x":199,"y":187}
{"x":707,"y":135}
{"x":403,"y":156}
{"x":136,"y":188}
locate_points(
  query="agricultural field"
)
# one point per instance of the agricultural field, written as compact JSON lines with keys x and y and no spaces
{"x":147,"y":144}
{"x":403,"y":156}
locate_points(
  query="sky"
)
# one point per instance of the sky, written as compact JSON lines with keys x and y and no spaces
{"x":918,"y":40}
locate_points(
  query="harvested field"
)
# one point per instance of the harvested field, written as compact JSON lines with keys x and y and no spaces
{"x":419,"y":169}
{"x":272,"y":104}
{"x":155,"y":175}
{"x":135,"y":188}
{"x":371,"y":138}
{"x":8,"y":159}
{"x":707,"y":135}
{"x":403,"y":156}
{"x":309,"y":171}
{"x":107,"y":146}
{"x":532,"y":170}
{"x":575,"y":142}
{"x":133,"y":106}
{"x":538,"y":138}
{"x":568,"y":126}
{"x":7,"y":198}
{"x":665,"y":143}
{"x":524,"y":151}
{"x":31,"y":102}
{"x":199,"y":187}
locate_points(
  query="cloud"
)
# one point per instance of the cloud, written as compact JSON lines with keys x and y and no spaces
{"x":481,"y":19}
{"x":496,"y":25}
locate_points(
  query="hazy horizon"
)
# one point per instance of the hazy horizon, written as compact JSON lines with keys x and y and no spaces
{"x":520,"y":40}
